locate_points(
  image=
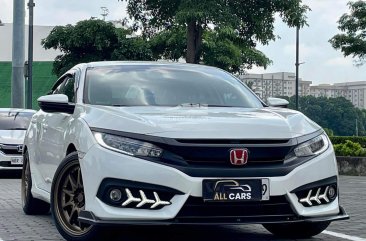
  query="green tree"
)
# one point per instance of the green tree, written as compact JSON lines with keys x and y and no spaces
{"x":131,"y":48}
{"x":336,"y":114}
{"x":94,"y":40}
{"x":216,"y":32}
{"x":249,"y":84}
{"x":352,"y":42}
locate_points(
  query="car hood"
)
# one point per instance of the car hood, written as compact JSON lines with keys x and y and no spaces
{"x":202,"y":122}
{"x":12,"y":137}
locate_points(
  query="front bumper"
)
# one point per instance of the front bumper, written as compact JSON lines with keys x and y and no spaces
{"x":110,"y":164}
{"x":5,"y":162}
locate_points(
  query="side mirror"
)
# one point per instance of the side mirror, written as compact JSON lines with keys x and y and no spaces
{"x":277,"y":102}
{"x":55,"y":103}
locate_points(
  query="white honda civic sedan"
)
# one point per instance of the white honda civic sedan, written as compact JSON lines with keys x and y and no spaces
{"x":141,"y":143}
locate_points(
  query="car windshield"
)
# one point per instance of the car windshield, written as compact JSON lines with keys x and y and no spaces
{"x":165,"y":85}
{"x":13,"y":120}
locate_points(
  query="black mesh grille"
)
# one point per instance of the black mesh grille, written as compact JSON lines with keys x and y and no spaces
{"x":10,"y":150}
{"x":8,"y":164}
{"x":228,"y":141}
{"x":196,"y":208}
{"x":219,"y":155}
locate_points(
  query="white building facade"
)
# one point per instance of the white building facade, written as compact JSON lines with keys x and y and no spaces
{"x":283,"y":84}
{"x":39,"y":33}
{"x":276,"y":84}
{"x":352,"y":91}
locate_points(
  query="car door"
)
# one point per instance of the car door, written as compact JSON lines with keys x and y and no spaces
{"x":54,"y":126}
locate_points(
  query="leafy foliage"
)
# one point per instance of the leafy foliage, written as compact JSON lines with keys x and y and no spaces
{"x":227,"y":51}
{"x":249,"y":84}
{"x":336,"y":114}
{"x":329,"y":132}
{"x":216,"y":32}
{"x":135,"y":48}
{"x":169,"y":44}
{"x":349,"y":148}
{"x":342,"y":139}
{"x":352,"y":42}
{"x":93,"y":40}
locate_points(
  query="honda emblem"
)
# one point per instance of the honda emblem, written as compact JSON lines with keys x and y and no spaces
{"x":239,"y":157}
{"x":20,"y":148}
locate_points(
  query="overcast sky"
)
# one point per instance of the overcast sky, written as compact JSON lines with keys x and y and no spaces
{"x":323,"y":64}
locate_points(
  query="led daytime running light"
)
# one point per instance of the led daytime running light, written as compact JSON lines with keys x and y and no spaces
{"x":127,"y":146}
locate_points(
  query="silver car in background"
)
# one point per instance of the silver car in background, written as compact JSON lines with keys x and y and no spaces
{"x":13,"y":126}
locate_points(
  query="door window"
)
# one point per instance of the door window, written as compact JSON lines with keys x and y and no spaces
{"x":67,"y":88}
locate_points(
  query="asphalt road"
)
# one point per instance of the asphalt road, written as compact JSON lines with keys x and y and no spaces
{"x":14,"y":225}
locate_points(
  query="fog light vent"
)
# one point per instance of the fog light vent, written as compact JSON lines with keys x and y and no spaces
{"x":131,"y":194}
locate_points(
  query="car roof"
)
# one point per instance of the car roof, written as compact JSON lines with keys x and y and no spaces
{"x":146,"y":63}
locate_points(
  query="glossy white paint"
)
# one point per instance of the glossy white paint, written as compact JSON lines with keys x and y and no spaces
{"x":59,"y":98}
{"x":50,"y":134}
{"x":202,"y":122}
{"x":12,"y":137}
{"x":271,"y":101}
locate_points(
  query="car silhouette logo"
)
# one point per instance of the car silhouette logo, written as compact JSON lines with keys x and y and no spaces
{"x":231,"y":185}
{"x":239,"y":157}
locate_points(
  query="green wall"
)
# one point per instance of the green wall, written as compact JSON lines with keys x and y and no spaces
{"x":43,"y":80}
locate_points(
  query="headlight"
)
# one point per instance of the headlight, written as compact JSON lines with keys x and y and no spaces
{"x":127,"y":146}
{"x":312,"y":147}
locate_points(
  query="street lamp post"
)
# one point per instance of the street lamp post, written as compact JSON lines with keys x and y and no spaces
{"x":297,"y":68}
{"x":31,"y":5}
{"x":17,"y":74}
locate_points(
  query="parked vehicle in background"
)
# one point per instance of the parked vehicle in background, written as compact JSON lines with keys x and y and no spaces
{"x":13,"y":126}
{"x":119,"y":143}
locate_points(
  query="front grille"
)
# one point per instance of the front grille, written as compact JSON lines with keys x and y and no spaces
{"x":11,"y":152}
{"x":8,"y":164}
{"x":196,"y":208}
{"x":228,"y":141}
{"x":219,"y":155}
{"x":216,"y":152}
{"x":10,"y":149}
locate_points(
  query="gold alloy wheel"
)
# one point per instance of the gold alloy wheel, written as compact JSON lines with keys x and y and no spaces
{"x":70,"y":200}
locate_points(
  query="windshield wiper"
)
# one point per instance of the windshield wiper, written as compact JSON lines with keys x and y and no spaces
{"x":221,"y":106}
{"x":202,"y":105}
{"x":118,"y":105}
{"x":17,"y":128}
{"x":192,"y":105}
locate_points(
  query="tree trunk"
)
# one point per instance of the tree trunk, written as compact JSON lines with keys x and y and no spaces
{"x":194,"y":42}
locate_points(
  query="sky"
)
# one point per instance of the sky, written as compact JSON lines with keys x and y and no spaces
{"x":322,"y":63}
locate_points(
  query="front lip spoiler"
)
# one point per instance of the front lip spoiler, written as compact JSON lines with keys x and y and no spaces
{"x":89,"y":218}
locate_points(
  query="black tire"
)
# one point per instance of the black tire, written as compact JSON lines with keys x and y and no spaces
{"x":67,"y":199}
{"x":296,"y":230}
{"x":31,"y":205}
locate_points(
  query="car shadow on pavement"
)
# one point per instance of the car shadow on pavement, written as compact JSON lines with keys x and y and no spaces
{"x":5,"y":174}
{"x":191,"y":233}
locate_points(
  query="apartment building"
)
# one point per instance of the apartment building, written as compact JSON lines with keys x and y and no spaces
{"x":276,"y":84}
{"x":353,"y":91}
{"x":283,"y":84}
